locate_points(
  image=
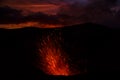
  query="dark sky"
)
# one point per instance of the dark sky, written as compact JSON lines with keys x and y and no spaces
{"x":53,"y":1}
{"x":99,"y":11}
{"x":23,"y":4}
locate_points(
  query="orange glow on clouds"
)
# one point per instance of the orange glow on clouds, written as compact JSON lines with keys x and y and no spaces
{"x":45,"y":8}
{"x":29,"y":24}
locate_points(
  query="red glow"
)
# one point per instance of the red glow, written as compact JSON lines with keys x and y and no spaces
{"x":29,"y":24}
{"x":54,"y":62}
{"x":45,"y":8}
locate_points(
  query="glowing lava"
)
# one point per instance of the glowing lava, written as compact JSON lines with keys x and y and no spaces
{"x":54,"y":60}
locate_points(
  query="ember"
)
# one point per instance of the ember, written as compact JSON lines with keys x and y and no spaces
{"x":54,"y":60}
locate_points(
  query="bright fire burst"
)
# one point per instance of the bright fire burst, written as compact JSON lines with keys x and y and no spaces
{"x":54,"y":60}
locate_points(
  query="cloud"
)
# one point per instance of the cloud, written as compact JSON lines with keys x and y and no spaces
{"x":72,"y":11}
{"x":9,"y":2}
{"x":10,"y":15}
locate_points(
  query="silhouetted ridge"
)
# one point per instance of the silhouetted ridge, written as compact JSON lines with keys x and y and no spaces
{"x":97,"y":44}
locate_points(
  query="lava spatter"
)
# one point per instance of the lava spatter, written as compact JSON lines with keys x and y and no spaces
{"x":54,"y":62}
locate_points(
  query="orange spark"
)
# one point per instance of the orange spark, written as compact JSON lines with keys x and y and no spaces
{"x":54,"y":62}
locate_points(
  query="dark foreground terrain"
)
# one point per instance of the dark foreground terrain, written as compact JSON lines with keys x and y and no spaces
{"x":95,"y":47}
